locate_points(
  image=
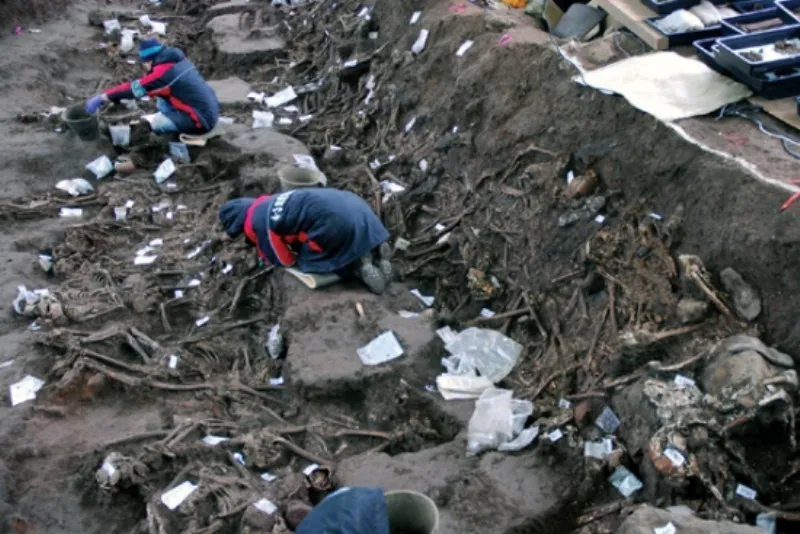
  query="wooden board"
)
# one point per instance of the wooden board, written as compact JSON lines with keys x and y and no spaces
{"x":632,"y":15}
{"x":314,"y":281}
{"x":784,"y":109}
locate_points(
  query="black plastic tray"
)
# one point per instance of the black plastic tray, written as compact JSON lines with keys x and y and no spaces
{"x":729,"y":57}
{"x":758,"y":16}
{"x":749,"y":6}
{"x":789,"y":7}
{"x":687,"y":38}
{"x":667,"y":7}
{"x":705,"y":53}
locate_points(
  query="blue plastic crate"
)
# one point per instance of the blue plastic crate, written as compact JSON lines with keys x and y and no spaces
{"x":734,"y":23}
{"x":790,"y":7}
{"x":730,"y":57}
{"x":686,"y":38}
{"x":772,"y":84}
{"x":749,"y":6}
{"x":666,"y":7}
{"x":705,"y":53}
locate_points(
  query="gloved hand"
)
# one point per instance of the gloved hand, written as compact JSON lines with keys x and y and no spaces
{"x":94,"y":104}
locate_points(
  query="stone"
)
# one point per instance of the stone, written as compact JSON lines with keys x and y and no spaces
{"x":228,"y":8}
{"x":735,"y":370}
{"x":231,"y":90}
{"x":646,"y":518}
{"x":264,"y":141}
{"x":691,"y":310}
{"x":233,"y":41}
{"x":254,"y":521}
{"x":745,"y":299}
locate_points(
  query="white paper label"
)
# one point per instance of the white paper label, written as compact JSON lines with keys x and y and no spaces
{"x":310,"y":469}
{"x":564,"y":404}
{"x":201,"y":321}
{"x":669,"y":528}
{"x":745,"y":492}
{"x":265,"y":506}
{"x":555,"y":435}
{"x":174,"y":497}
{"x":214,"y":440}
{"x":268,"y":477}
{"x":674,"y":456}
{"x":173,"y":362}
{"x":683,"y":381}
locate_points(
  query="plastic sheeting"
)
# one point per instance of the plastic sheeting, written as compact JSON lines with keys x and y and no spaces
{"x":666,"y":85}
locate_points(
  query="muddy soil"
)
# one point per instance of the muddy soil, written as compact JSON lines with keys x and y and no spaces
{"x":499,"y":130}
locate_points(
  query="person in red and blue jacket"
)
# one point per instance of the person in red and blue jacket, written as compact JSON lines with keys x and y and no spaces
{"x":185,"y":102}
{"x":318,"y":230}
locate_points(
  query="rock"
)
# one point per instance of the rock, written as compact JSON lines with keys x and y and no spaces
{"x":227,"y":8}
{"x":296,"y":511}
{"x":732,"y":370}
{"x":691,"y":311}
{"x":745,"y":298}
{"x":333,"y":156}
{"x":740,"y":343}
{"x":740,"y":360}
{"x":254,"y":521}
{"x":647,"y":518}
{"x":235,"y":44}
{"x":231,"y":90}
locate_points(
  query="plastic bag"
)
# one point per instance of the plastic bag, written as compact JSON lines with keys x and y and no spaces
{"x":75,"y":187}
{"x":491,"y":422}
{"x":520,"y":411}
{"x":275,"y":342}
{"x":101,"y":167}
{"x":120,"y":135}
{"x":490,"y":352}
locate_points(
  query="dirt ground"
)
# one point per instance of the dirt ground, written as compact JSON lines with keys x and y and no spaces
{"x":498,"y":130}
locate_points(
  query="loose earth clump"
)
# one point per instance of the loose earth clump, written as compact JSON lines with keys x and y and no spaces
{"x":568,"y":214}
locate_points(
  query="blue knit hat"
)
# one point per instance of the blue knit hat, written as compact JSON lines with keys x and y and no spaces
{"x":149,"y":48}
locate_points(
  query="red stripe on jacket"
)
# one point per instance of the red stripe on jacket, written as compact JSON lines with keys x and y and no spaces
{"x":279,"y":246}
{"x":125,"y":91}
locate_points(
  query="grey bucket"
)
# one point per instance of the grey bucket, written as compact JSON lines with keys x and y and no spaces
{"x":296,"y":178}
{"x":411,"y":512}
{"x":82,"y":123}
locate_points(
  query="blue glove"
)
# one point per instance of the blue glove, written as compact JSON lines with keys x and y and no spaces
{"x":94,"y":104}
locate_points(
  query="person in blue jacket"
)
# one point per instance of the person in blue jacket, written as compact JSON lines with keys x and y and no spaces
{"x":186,"y":103}
{"x":348,"y":511}
{"x":318,"y":230}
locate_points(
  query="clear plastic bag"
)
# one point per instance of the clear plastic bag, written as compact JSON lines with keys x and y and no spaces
{"x":491,"y":422}
{"x":490,"y":352}
{"x":520,"y":411}
{"x":120,"y":135}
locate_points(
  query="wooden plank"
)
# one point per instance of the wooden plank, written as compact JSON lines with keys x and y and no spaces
{"x":632,"y":14}
{"x":783,"y":109}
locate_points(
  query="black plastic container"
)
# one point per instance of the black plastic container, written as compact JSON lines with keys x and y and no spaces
{"x":668,"y":6}
{"x":729,"y":55}
{"x":733,"y":23}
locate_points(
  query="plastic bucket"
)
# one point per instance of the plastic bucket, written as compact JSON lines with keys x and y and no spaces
{"x":83,"y":124}
{"x":296,"y":178}
{"x":411,"y":512}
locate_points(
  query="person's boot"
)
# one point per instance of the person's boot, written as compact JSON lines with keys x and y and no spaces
{"x":369,"y":274}
{"x":385,"y":261}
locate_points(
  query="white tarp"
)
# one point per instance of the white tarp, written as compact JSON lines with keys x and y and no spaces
{"x":666,"y":85}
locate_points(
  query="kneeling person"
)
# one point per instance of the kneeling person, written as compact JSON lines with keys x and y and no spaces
{"x":316,"y":230}
{"x":186,"y":103}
